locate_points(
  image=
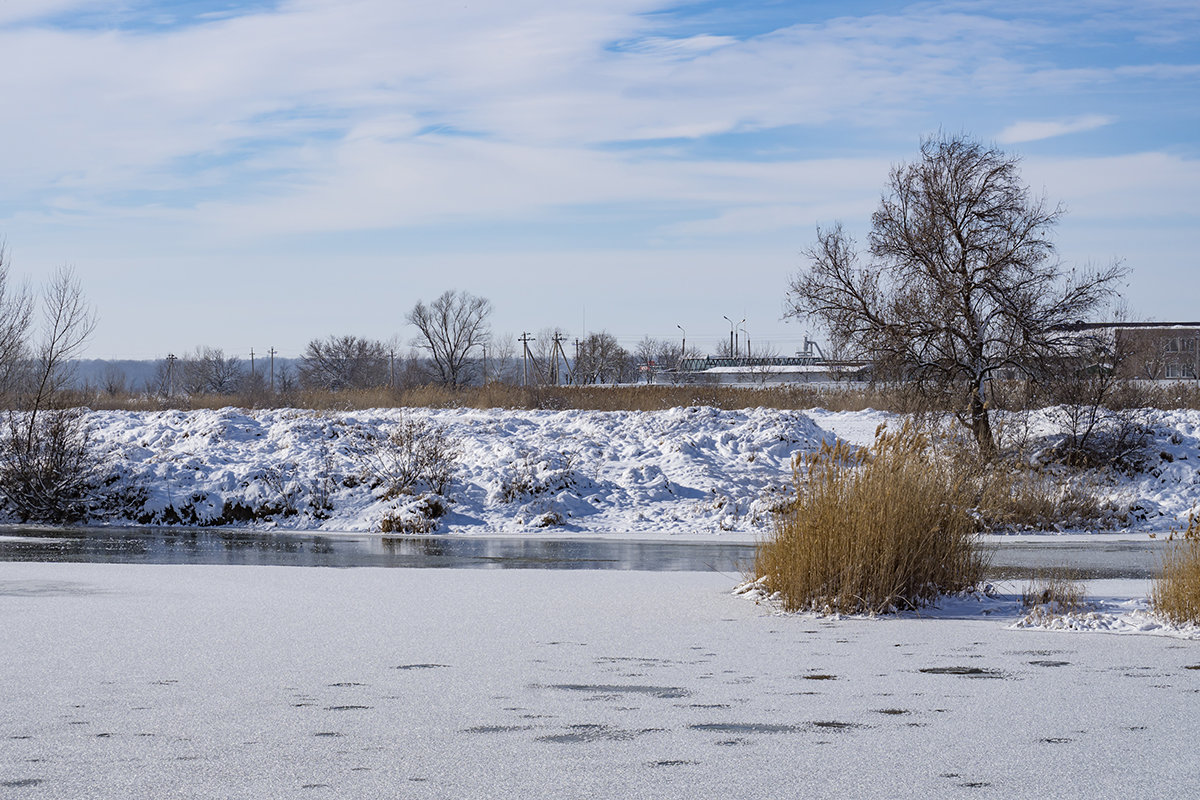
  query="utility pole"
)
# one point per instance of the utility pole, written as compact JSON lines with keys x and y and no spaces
{"x":170,"y":372}
{"x":525,"y":340}
{"x":272,"y":351}
{"x":392,"y":368}
{"x":578,"y":344}
{"x":251,"y":362}
{"x":558,"y":340}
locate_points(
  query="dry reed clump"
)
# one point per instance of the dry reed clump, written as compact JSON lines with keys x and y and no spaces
{"x":1176,"y":594}
{"x":872,"y":531}
{"x":1053,"y":593}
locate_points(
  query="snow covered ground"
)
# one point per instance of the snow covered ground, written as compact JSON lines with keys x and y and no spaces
{"x":682,"y":471}
{"x":132,"y":681}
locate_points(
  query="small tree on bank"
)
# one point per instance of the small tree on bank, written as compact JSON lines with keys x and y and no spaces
{"x":961,"y":284}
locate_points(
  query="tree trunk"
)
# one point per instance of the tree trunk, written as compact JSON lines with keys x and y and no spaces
{"x":981,"y":423}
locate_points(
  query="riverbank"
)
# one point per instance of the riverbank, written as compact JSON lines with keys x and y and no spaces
{"x":680,"y":472}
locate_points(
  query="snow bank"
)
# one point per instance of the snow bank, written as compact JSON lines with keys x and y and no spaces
{"x":681,"y":470}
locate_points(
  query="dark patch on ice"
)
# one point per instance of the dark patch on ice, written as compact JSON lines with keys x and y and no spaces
{"x":732,"y":742}
{"x":1138,"y":728}
{"x":20,"y":737}
{"x":347,"y":708}
{"x":838,"y":726}
{"x":577,"y":734}
{"x":497,"y":728}
{"x":327,"y":734}
{"x":744,"y":727}
{"x":1056,"y":740}
{"x":346,"y":683}
{"x":103,"y":735}
{"x":892,"y":711}
{"x":35,"y":588}
{"x":704,"y":705}
{"x":316,"y":786}
{"x":79,"y":722}
{"x":1192,"y":666}
{"x":21,"y":783}
{"x":422,"y":666}
{"x":672,"y":763}
{"x":302,"y":705}
{"x":1049,"y":663}
{"x":165,"y":682}
{"x":972,"y":672}
{"x":975,"y":784}
{"x":820,"y":677}
{"x":664,"y":692}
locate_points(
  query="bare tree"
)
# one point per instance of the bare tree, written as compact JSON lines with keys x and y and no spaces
{"x":16,"y":319}
{"x":46,"y":467}
{"x":344,"y":362}
{"x":962,"y":284}
{"x":653,"y":356}
{"x":208,"y":371}
{"x":502,"y":364}
{"x":67,"y":323}
{"x":450,"y":328}
{"x":602,"y":360}
{"x":114,"y":381}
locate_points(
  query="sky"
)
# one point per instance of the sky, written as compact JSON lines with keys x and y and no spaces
{"x":258,"y":174}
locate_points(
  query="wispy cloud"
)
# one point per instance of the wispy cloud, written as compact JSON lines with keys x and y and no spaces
{"x":1035,"y":130}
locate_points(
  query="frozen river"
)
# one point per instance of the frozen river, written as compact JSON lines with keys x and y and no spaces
{"x":1095,"y":558}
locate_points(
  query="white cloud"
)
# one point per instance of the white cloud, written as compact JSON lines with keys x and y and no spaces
{"x":1035,"y":130}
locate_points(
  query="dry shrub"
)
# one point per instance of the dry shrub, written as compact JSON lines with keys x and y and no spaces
{"x":1176,"y":594}
{"x":414,"y":456}
{"x":1014,"y":496}
{"x":48,"y":471}
{"x":1053,"y":593}
{"x":874,"y":530}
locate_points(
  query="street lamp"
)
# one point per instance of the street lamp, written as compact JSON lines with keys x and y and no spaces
{"x":746,"y":331}
{"x":732,"y":346}
{"x":682,"y":347}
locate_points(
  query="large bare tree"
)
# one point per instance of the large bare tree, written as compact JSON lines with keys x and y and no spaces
{"x":961,"y":283}
{"x":450,"y":329}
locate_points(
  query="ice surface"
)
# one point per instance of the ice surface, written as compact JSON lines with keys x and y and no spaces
{"x":131,"y":681}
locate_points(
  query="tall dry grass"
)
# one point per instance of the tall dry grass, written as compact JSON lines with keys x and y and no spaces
{"x":848,"y":397}
{"x":1053,"y":592}
{"x":874,"y":530}
{"x":1176,"y":593}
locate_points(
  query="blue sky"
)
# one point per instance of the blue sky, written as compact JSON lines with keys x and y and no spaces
{"x":257,"y":174}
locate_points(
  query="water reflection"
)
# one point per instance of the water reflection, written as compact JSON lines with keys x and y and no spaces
{"x":208,"y":546}
{"x":1010,"y":560}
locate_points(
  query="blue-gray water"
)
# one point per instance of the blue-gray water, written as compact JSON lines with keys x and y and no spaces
{"x":1099,"y":559}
